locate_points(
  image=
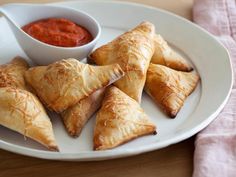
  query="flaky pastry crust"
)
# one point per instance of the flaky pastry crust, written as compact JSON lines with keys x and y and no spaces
{"x":165,"y":55}
{"x":169,"y":88}
{"x":75,"y":117}
{"x":119,"y":120}
{"x":64,"y":83}
{"x":133,"y":51}
{"x":20,"y":110}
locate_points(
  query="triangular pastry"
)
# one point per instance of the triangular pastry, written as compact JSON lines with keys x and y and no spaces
{"x":12,"y":73}
{"x":75,"y":117}
{"x":133,"y":51}
{"x":169,"y":88}
{"x":119,"y":120}
{"x":164,"y":55}
{"x":64,"y":83}
{"x":20,"y":110}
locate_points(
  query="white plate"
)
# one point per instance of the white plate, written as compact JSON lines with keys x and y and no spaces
{"x":210,"y":59}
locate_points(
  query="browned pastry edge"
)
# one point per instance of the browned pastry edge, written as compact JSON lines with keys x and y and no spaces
{"x":96,"y":147}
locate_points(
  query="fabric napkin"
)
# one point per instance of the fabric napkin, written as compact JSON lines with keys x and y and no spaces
{"x":215,"y":146}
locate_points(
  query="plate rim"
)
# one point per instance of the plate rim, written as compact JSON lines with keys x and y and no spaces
{"x":110,"y":154}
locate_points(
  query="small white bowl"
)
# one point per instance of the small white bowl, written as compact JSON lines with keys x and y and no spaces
{"x":41,"y":53}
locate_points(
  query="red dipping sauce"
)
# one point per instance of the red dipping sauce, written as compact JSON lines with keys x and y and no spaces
{"x":58,"y":32}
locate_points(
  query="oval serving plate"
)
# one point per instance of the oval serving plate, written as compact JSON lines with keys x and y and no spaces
{"x":208,"y":56}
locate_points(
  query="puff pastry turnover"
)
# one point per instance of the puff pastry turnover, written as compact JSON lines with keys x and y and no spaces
{"x":133,"y":51}
{"x":164,"y":55}
{"x":119,"y":120}
{"x":75,"y":117}
{"x":12,"y":74}
{"x":21,"y":111}
{"x":64,"y":83}
{"x":169,"y":88}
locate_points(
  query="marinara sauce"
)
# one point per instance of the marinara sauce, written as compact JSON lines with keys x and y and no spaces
{"x":58,"y":32}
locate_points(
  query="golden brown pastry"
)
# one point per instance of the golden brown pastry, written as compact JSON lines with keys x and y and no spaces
{"x":76,"y":116}
{"x":169,"y":88}
{"x":164,"y":55}
{"x":64,"y":83}
{"x":20,"y":110}
{"x":12,"y":74}
{"x":133,"y":51}
{"x":119,"y":120}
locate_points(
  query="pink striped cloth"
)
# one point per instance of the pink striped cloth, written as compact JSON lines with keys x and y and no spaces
{"x":215,"y":146}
